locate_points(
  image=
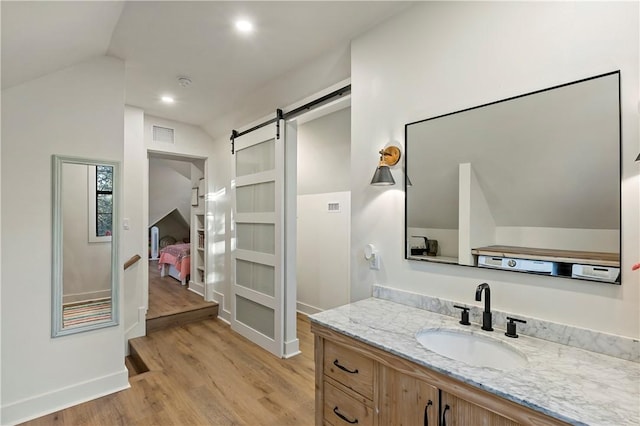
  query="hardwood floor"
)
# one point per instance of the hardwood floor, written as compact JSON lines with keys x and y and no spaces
{"x":204,"y":374}
{"x":167,"y":296}
{"x":171,"y":303}
{"x":201,"y":373}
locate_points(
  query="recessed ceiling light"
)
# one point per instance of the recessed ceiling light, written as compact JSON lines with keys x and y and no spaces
{"x":244,"y":26}
{"x":167,"y":99}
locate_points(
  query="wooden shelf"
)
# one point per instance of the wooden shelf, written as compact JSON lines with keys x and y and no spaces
{"x":437,"y":259}
{"x":551,"y":255}
{"x":198,"y":258}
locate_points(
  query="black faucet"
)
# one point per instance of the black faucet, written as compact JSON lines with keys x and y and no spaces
{"x":486,"y":315}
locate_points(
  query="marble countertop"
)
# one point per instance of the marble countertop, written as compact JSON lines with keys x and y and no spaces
{"x":568,"y":383}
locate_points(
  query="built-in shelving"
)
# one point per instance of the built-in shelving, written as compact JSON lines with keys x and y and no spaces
{"x":198,"y":257}
{"x":438,"y":259}
{"x":551,"y":255}
{"x":587,"y":265}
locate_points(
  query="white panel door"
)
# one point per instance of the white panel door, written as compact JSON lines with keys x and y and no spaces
{"x":258,"y":226}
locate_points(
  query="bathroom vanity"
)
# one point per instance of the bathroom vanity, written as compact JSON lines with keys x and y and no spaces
{"x":371,"y":369}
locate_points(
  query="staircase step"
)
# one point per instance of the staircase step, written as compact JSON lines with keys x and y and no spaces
{"x":184,"y":317}
{"x":135,"y":364}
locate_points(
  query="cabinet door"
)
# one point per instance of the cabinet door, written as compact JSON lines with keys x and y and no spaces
{"x":405,"y":400}
{"x":458,"y":412}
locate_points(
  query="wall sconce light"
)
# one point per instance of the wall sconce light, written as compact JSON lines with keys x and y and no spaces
{"x":638,"y":157}
{"x":389,"y":156}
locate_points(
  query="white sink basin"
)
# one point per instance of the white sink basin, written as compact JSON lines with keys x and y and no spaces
{"x":474,"y":349}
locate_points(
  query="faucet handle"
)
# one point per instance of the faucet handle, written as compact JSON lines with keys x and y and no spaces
{"x":511,"y":327}
{"x":464,"y":318}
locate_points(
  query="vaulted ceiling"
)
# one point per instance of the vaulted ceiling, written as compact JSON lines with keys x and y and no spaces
{"x":236,"y":78}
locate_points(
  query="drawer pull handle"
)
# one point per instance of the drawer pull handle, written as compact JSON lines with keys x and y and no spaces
{"x":343,"y":368}
{"x":444,"y":415}
{"x":426,"y":412}
{"x":343,"y":417}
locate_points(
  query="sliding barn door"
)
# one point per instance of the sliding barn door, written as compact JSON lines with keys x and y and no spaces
{"x":258,"y":259}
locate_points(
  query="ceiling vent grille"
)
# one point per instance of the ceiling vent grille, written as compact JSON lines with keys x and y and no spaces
{"x":163,"y":134}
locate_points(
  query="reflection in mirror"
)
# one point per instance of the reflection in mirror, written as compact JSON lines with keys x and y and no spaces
{"x":528,"y":184}
{"x":85,"y":273}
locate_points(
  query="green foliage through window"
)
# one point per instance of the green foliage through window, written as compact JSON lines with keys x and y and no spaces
{"x":104,"y":201}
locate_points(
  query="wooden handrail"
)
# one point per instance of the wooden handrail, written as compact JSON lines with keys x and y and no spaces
{"x":131,"y":261}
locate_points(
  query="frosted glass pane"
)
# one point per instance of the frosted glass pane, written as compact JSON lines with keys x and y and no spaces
{"x":256,"y":316}
{"x":256,"y":237}
{"x":259,"y":198}
{"x":257,"y":158}
{"x":256,"y":276}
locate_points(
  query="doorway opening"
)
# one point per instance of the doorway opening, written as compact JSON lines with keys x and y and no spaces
{"x":323,"y":207}
{"x":177,"y":253}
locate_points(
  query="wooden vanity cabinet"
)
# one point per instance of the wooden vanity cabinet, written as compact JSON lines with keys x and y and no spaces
{"x":359,"y":384}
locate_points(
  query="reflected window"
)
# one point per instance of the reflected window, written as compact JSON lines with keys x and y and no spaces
{"x":100,"y":200}
{"x":104,"y":200}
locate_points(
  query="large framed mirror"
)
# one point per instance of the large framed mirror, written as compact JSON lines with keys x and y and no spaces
{"x":529,"y":184}
{"x":85,"y":245}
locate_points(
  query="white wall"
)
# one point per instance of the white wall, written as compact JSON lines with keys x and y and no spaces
{"x":324,"y":153}
{"x":169,"y":188}
{"x":322,"y":263}
{"x":135,"y":239}
{"x":440,"y":57}
{"x":77,"y":111}
{"x":323,"y":251}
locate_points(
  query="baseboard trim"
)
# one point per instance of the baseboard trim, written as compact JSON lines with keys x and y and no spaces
{"x":307,"y":309}
{"x":86,"y":296}
{"x":59,"y":399}
{"x":223,"y":314}
{"x":197,"y":288}
{"x":291,"y":348}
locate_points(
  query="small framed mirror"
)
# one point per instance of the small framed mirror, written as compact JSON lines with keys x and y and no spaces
{"x":85,"y":245}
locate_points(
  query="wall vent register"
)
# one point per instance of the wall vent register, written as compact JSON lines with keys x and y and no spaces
{"x":333,"y":207}
{"x":163,"y":134}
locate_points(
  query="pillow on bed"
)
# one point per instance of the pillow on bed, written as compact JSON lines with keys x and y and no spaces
{"x":167,"y":241}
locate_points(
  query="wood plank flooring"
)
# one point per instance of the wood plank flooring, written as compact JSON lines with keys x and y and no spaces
{"x":204,"y":374}
{"x":167,"y":296}
{"x":171,"y":303}
{"x":201,"y":373}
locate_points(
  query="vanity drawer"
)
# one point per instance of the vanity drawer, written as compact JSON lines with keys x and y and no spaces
{"x":349,"y":368}
{"x":341,"y":409}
